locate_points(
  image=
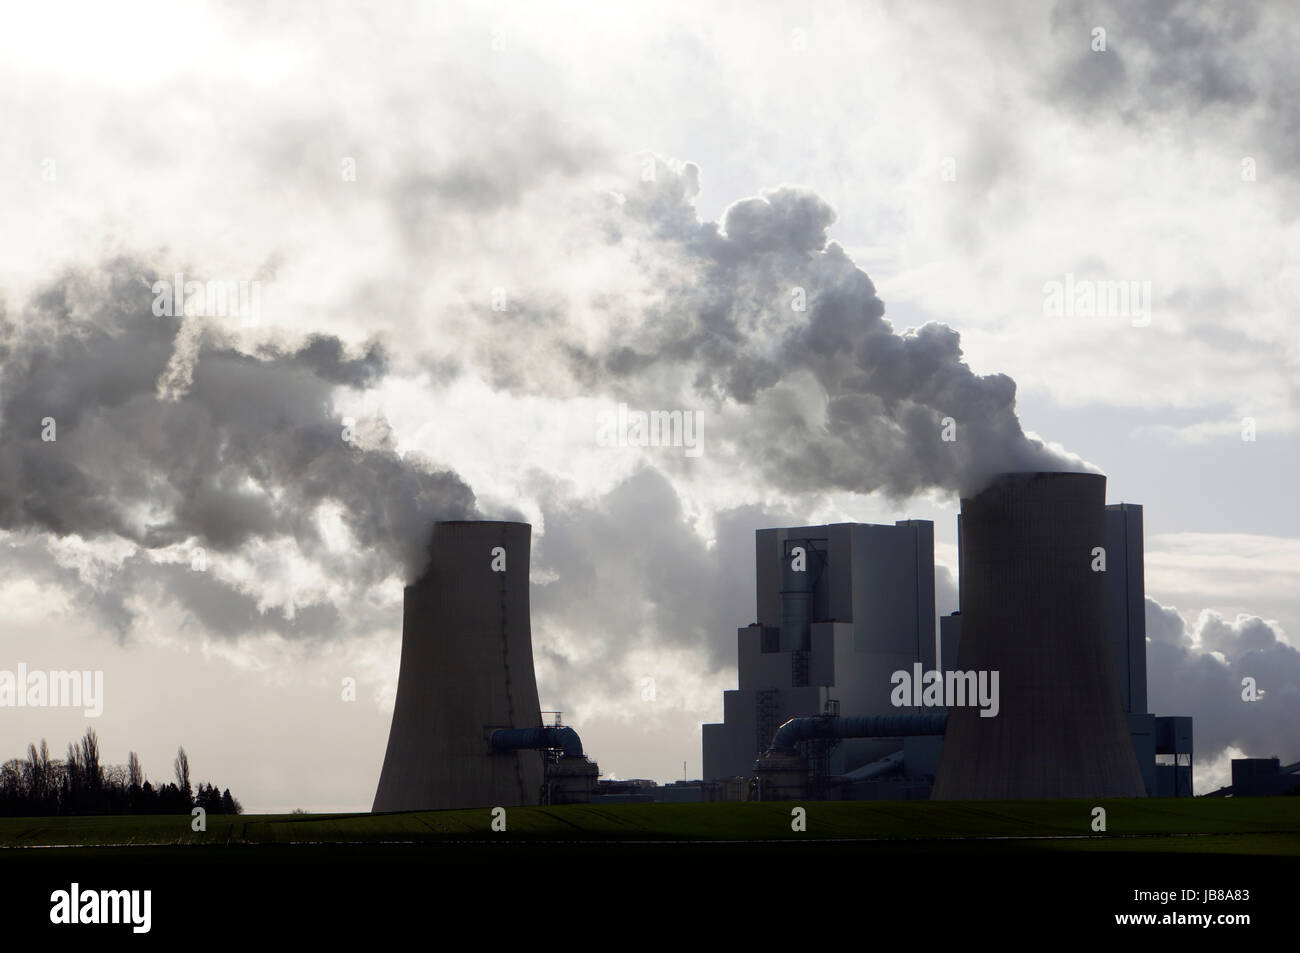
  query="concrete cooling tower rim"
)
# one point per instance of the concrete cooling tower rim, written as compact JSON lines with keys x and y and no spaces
{"x":1011,"y":481}
{"x":481,"y":523}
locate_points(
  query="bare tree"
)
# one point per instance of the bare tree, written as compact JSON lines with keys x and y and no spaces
{"x":90,"y":766}
{"x":115,"y":777}
{"x":13,"y":777}
{"x":134,"y":773}
{"x":73,"y":766}
{"x":40,"y":773}
{"x":35,"y":777}
{"x":182,"y":766}
{"x":36,"y":784}
{"x":48,"y":771}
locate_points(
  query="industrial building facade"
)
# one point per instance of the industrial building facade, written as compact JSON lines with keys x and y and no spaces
{"x":1163,"y":744}
{"x":1052,"y":610}
{"x":1067,"y":633}
{"x":833,"y":632}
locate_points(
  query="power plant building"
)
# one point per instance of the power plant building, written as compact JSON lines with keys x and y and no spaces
{"x":1052,"y":602}
{"x":840,"y":607}
{"x":1163,"y":744}
{"x":1064,"y":629}
{"x":1126,"y":602}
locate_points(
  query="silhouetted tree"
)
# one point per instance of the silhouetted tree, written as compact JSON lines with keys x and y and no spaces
{"x":204,"y":798}
{"x":92,"y":772}
{"x":73,"y":784}
{"x":40,"y":780}
{"x":81,"y":784}
{"x":134,"y":773}
{"x":147,"y":803}
{"x":182,"y":767}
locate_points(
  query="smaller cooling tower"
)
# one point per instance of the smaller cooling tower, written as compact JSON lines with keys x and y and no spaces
{"x":1034,"y":609}
{"x":467,"y":670}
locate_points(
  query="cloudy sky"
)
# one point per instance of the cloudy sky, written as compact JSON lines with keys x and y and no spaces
{"x":474,"y":229}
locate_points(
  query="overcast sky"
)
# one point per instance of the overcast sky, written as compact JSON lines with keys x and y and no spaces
{"x":639,"y":190}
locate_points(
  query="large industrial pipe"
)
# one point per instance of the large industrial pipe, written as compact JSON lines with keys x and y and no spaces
{"x":870,"y":726}
{"x":560,"y":737}
{"x":1033,"y":594}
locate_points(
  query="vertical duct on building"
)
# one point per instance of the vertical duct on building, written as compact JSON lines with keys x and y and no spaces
{"x":1034,"y":610}
{"x":798,"y":590}
{"x":467,"y":670}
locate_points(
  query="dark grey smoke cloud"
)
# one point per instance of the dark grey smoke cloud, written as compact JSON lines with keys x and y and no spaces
{"x":216,"y":607}
{"x":834,"y":397}
{"x":238,"y":447}
{"x":1187,"y":677}
{"x":249,"y":449}
{"x":629,"y":571}
{"x":629,"y":565}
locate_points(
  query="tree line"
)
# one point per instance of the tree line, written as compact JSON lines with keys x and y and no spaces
{"x":81,"y":784}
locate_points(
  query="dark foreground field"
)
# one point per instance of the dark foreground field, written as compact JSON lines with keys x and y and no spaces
{"x":1007,"y":866}
{"x":1255,"y":826}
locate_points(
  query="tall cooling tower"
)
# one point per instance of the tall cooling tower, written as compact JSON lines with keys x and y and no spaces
{"x":1034,"y":610}
{"x":467,"y":669}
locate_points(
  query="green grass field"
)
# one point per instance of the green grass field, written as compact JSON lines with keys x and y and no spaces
{"x":1258,"y":826}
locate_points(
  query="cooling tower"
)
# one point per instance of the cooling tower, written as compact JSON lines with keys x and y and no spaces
{"x":467,"y":669}
{"x":1034,"y":609}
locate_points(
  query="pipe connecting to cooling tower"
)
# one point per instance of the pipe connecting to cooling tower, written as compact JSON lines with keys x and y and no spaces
{"x":560,"y":737}
{"x":870,"y":726}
